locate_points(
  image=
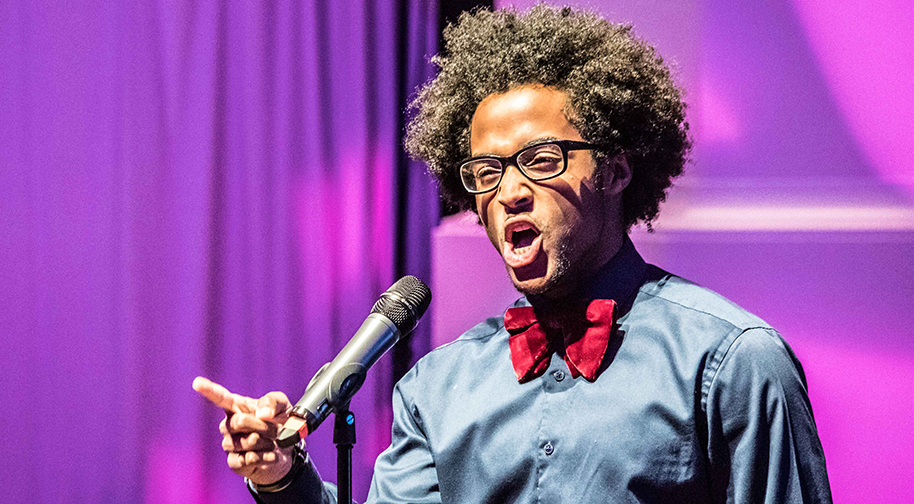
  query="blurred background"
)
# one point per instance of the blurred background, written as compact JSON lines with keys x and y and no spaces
{"x":218,"y":189}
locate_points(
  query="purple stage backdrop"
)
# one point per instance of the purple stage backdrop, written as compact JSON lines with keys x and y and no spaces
{"x":202,"y":187}
{"x":192,"y":188}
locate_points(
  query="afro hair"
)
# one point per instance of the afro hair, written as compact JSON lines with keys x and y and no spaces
{"x":620,"y":94}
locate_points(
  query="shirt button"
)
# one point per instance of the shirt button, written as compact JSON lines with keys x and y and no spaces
{"x":548,"y":449}
{"x":559,"y":375}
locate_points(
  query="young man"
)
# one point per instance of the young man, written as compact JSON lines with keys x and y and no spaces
{"x":611,"y":380}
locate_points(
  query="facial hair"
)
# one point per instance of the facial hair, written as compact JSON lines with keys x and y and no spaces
{"x":566,"y":281}
{"x":561,"y":271}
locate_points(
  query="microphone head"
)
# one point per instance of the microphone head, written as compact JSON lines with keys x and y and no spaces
{"x":404,"y":303}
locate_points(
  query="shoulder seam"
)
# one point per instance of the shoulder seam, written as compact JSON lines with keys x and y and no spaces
{"x":692,"y":308}
{"x":717,"y":360}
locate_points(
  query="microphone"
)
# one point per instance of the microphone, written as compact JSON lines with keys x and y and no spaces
{"x":393,"y":316}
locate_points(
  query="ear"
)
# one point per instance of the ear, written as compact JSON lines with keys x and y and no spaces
{"x":618,"y":174}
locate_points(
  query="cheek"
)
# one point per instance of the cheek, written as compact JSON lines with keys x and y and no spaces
{"x":488,"y":221}
{"x":484,"y":218}
{"x":569,"y":225}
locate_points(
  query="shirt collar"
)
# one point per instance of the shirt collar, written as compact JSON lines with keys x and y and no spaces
{"x":621,"y":277}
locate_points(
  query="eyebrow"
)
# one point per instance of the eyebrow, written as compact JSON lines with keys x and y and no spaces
{"x":535,"y":141}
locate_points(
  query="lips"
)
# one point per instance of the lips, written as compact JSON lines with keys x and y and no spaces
{"x":522,"y":243}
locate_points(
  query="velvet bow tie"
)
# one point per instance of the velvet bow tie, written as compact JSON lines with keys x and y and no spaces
{"x":585,"y":343}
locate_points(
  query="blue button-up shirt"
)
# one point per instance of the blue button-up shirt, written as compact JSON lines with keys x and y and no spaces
{"x":700,"y":402}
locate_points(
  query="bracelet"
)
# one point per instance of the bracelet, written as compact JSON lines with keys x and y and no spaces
{"x":298,"y":466}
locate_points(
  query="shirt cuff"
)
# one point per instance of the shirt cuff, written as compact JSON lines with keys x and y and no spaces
{"x":301,"y":484}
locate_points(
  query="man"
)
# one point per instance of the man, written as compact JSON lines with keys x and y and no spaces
{"x":611,"y":380}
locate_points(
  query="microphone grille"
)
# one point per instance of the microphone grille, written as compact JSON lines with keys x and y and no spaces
{"x":404,"y":303}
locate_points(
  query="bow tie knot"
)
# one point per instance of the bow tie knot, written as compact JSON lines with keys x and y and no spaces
{"x":585,"y":343}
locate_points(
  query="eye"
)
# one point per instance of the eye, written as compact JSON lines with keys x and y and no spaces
{"x":541,"y":160}
{"x":485,"y":171}
{"x":544,"y":158}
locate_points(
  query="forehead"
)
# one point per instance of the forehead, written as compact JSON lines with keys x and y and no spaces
{"x":505,"y":122}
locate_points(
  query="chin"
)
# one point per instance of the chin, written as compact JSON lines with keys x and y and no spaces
{"x":531,"y":288}
{"x":533,"y":278}
{"x":542,"y":280}
{"x":546,"y":284}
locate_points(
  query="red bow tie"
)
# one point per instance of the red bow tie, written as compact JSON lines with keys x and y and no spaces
{"x":584,"y":349}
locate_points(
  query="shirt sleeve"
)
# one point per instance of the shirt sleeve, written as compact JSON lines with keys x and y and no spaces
{"x":763,"y":446}
{"x":405,"y":471}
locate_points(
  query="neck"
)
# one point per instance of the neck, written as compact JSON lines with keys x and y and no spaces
{"x":555,"y":314}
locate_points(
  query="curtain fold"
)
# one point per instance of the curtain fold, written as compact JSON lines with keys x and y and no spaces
{"x":192,"y":188}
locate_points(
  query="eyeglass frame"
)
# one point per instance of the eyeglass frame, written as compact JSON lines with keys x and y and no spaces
{"x":566,"y":146}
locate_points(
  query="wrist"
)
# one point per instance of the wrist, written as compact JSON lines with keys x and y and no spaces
{"x":298,"y":466}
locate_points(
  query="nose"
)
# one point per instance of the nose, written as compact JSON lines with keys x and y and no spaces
{"x":514,"y":191}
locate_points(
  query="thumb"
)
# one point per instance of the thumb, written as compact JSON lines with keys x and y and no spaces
{"x":273,"y":407}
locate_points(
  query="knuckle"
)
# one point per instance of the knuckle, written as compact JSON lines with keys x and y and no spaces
{"x":238,"y":422}
{"x":235,"y":460}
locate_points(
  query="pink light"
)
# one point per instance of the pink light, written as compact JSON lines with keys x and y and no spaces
{"x":718,"y":119}
{"x":862,"y":402}
{"x":175,"y":474}
{"x":865,"y":50}
{"x":346,"y":203}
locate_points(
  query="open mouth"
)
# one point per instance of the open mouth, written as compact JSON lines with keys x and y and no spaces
{"x":523,"y":238}
{"x":522,"y":244}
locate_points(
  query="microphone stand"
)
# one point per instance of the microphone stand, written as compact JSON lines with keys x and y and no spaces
{"x":344,"y":438}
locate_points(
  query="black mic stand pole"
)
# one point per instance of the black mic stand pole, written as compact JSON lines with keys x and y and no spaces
{"x":344,"y":438}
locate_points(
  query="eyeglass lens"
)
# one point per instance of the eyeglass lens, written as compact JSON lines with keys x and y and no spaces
{"x":537,"y":162}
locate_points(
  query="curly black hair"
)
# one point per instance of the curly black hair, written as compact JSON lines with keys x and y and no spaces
{"x":620,"y":94}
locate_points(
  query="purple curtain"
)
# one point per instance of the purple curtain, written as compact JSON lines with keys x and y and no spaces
{"x":193,"y":188}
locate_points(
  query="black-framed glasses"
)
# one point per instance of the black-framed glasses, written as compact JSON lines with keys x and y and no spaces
{"x":537,"y":162}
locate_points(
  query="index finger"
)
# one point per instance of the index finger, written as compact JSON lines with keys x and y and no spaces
{"x":220,"y":396}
